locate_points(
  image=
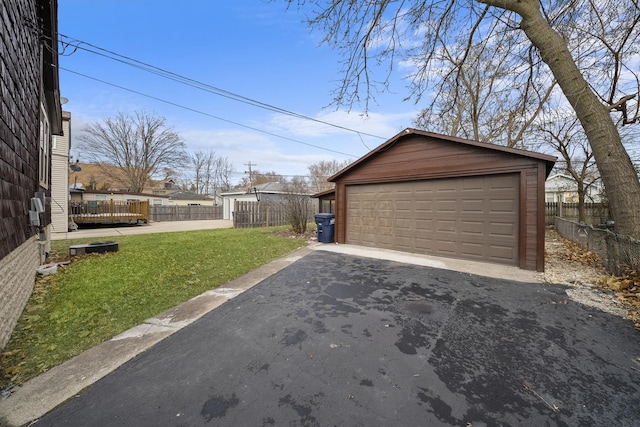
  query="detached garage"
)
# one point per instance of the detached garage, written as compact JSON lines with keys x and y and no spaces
{"x":438,"y":195}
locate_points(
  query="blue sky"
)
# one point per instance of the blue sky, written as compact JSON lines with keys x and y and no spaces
{"x":250,"y":47}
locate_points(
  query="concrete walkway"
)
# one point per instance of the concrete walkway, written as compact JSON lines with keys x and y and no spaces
{"x":152,"y":227}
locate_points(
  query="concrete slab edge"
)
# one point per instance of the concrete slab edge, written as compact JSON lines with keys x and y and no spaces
{"x":43,"y":393}
{"x":495,"y":271}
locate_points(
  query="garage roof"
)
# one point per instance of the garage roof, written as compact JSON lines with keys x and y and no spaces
{"x":550,"y":160}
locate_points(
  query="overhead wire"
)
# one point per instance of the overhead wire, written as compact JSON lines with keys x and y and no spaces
{"x":97,"y":50}
{"x":175,"y":104}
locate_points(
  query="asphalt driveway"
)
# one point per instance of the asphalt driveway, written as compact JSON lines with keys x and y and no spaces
{"x":336,"y":339}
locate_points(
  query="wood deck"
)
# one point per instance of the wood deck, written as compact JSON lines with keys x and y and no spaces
{"x":110,"y":212}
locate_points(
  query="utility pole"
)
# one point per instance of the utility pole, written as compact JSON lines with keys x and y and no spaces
{"x":250,"y":172}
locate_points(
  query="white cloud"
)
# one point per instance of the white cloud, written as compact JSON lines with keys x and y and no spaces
{"x":383,"y":125}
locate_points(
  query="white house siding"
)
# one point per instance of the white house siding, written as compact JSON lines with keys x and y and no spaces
{"x":564,"y":189}
{"x":228,"y":201}
{"x":154,"y":200}
{"x":60,"y":178}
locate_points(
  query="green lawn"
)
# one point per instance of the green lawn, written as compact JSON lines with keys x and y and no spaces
{"x":98,"y":296}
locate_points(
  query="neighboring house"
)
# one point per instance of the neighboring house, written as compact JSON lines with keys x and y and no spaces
{"x":161,"y":187}
{"x":440,"y":195}
{"x":564,"y":189}
{"x":79,"y":195}
{"x":92,"y":176}
{"x":188,"y":198}
{"x":60,"y":177}
{"x":95,"y":177}
{"x":30,"y":113}
{"x":269,"y":191}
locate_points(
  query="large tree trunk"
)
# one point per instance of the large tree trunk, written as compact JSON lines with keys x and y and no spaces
{"x":582,"y":217}
{"x":618,"y":175}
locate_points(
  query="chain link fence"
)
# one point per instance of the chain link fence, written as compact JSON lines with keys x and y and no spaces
{"x":617,"y":252}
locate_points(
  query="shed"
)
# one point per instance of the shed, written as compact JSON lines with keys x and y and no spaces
{"x":326,"y":201}
{"x":439,"y":195}
{"x":268,"y":191}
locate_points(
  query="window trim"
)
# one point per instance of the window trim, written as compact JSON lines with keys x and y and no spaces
{"x":44,"y":148}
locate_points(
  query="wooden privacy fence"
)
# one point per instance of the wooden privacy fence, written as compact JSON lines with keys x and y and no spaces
{"x":259,"y":214}
{"x":262,"y":214}
{"x":160,"y":213}
{"x":595,"y":213}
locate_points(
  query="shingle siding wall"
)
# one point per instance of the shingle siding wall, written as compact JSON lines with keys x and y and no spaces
{"x":17,"y":273}
{"x":19,"y":120}
{"x":20,"y":83}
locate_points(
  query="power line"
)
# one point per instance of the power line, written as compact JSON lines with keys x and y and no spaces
{"x":78,"y":45}
{"x":206,"y":114}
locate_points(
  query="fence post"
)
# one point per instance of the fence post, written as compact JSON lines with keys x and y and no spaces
{"x":268,"y":213}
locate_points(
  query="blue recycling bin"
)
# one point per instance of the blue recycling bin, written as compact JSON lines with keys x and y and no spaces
{"x":326,"y":224}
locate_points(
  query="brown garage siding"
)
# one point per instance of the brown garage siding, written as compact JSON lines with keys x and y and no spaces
{"x":414,"y":155}
{"x":531,"y":225}
{"x":413,"y":159}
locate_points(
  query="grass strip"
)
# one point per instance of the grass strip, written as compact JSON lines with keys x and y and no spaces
{"x":99,"y":296}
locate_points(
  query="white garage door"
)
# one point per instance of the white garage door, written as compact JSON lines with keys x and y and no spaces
{"x":471,"y":218}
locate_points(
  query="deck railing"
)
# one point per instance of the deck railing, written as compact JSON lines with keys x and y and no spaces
{"x":110,"y":212}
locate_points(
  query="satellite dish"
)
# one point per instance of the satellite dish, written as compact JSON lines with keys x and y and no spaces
{"x":63,"y":100}
{"x":75,"y":168}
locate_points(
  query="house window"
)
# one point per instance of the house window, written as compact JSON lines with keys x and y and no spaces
{"x":44,"y":147}
{"x":157,"y":202}
{"x":102,"y":197}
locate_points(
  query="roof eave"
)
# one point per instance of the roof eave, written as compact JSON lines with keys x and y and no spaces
{"x":549,"y":160}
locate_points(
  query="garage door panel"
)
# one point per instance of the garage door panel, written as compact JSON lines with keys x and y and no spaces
{"x":498,"y":205}
{"x":502,"y":252}
{"x":423,"y":206}
{"x":472,"y":228}
{"x":473,"y":206}
{"x":468,"y":250}
{"x":446,"y":226}
{"x":502,"y":229}
{"x":444,"y":247}
{"x":446,"y":206}
{"x":469,"y":217}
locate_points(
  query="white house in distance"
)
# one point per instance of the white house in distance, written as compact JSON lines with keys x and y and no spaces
{"x":562,"y":188}
{"x":269,"y":191}
{"x":179,"y":198}
{"x":60,"y":177}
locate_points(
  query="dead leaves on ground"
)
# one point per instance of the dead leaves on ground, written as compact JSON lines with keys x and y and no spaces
{"x":626,"y":287}
{"x":570,"y":251}
{"x":627,"y":290}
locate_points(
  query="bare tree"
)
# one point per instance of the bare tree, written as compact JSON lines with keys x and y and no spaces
{"x":132,"y":148}
{"x":568,"y":139}
{"x":476,"y":99}
{"x":297,"y":203}
{"x":222,"y":171}
{"x":260,"y":178}
{"x":321,"y":171}
{"x":382,"y":31}
{"x":201,"y":163}
{"x":211,"y":173}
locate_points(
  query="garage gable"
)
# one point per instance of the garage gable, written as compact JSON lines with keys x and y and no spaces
{"x":416,"y":154}
{"x":427,"y":193}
